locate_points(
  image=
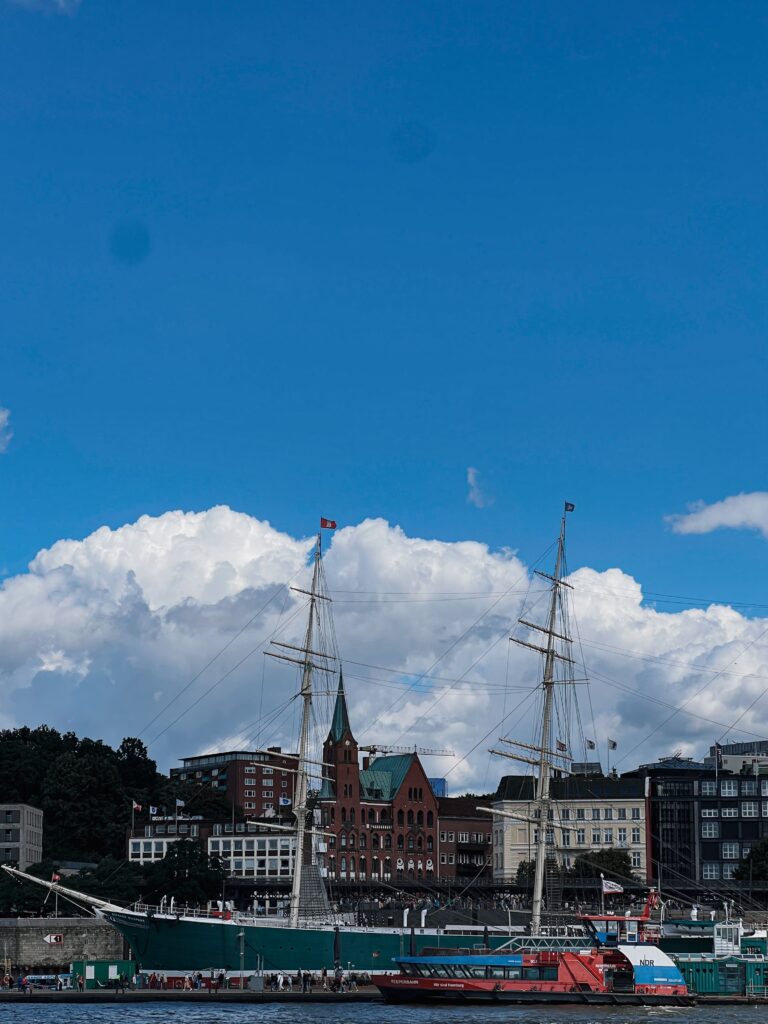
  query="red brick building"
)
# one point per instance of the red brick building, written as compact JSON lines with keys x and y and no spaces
{"x":464,"y":838}
{"x":383,"y":816}
{"x":261,"y":783}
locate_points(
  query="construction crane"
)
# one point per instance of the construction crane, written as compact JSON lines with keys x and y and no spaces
{"x":384,"y":748}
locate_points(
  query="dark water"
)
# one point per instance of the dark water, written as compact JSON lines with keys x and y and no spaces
{"x":367,"y":1013}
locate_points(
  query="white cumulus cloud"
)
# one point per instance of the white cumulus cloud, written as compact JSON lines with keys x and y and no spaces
{"x":738,"y":512}
{"x":6,"y":434}
{"x":48,"y":6}
{"x":476,"y":494}
{"x":111,"y":636}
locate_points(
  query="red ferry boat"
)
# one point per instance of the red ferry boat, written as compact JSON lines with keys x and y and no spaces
{"x":625,"y":974}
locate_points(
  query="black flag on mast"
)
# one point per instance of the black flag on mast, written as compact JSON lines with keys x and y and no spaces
{"x":570,"y":507}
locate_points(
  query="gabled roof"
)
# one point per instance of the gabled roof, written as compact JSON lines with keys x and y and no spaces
{"x":396,"y":766}
{"x":374,"y":782}
{"x":340,"y":722}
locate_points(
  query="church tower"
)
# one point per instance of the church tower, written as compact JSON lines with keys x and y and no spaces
{"x":340,"y":752}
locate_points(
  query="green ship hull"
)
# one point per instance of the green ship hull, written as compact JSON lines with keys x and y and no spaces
{"x":180,"y":945}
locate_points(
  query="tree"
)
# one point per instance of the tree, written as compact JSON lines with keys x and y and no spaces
{"x":525,"y":872}
{"x":187,"y":873}
{"x":612,"y":863}
{"x":754,"y":867}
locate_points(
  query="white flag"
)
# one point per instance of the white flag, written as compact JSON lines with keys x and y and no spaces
{"x":609,"y":886}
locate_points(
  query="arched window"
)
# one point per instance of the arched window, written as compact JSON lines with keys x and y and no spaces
{"x":400,"y":817}
{"x":343,"y":813}
{"x":430,"y":844}
{"x":419,"y":844}
{"x":410,"y":792}
{"x":384,"y":816}
{"x":430,"y":819}
{"x":343,"y":865}
{"x":333,"y":813}
{"x":351,"y":839}
{"x":363,"y":841}
{"x":372,"y":816}
{"x":351,"y":863}
{"x":421,"y":793}
{"x":420,"y":818}
{"x":362,"y":866}
{"x":410,"y":817}
{"x":352,"y":815}
{"x":410,"y":842}
{"x":400,"y":842}
{"x":343,"y":838}
{"x":387,"y":842}
{"x":375,"y":843}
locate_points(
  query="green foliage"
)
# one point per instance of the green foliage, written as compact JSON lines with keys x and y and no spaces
{"x":754,"y":867}
{"x":85,"y":789}
{"x":186,"y":873}
{"x":525,"y":872}
{"x":615,"y":864}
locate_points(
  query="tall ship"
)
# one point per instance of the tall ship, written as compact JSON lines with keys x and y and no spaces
{"x":312,"y":935}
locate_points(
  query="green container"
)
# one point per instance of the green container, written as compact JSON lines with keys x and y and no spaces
{"x":102,"y":973}
{"x":724,"y":976}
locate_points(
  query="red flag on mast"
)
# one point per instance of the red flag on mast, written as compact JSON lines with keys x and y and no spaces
{"x":327,"y":524}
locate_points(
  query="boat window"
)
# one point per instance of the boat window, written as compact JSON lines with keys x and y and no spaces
{"x":514,"y":973}
{"x":531,"y":974}
{"x":476,"y":972}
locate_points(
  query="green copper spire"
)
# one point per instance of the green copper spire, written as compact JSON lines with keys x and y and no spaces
{"x":340,"y":720}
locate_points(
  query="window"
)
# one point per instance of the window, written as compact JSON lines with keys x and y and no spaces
{"x":249,"y":769}
{"x":709,"y":788}
{"x":451,"y":837}
{"x":635,"y":835}
{"x":764,"y":787}
{"x":729,"y":870}
{"x":749,"y":787}
{"x":566,"y":837}
{"x":765,"y":808}
{"x":710,"y":870}
{"x":622,"y":813}
{"x":443,"y":858}
{"x":581,"y":837}
{"x":729,"y":787}
{"x":729,"y":812}
{"x":711,"y":812}
{"x":580,"y":815}
{"x":463,"y":837}
{"x":450,"y":858}
{"x":710,"y":830}
{"x":267,"y":794}
{"x":595,"y":814}
{"x":268,"y":771}
{"x":250,"y":792}
{"x":284,"y":783}
{"x":442,"y":837}
{"x":565,"y":814}
{"x":595,"y":835}
{"x":621,"y":836}
{"x":608,"y":814}
{"x":636,"y":859}
{"x":730,"y":851}
{"x":749,"y":808}
{"x":636,"y":814}
{"x":608,"y":836}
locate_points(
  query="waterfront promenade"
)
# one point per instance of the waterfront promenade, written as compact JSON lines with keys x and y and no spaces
{"x":366,"y":994}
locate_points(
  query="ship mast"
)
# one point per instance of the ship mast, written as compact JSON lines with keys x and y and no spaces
{"x":307,"y":653}
{"x":544,"y":749}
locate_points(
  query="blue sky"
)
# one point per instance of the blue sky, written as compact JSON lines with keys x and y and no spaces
{"x":307,"y":259}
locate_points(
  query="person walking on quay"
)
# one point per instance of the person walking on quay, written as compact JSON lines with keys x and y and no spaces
{"x":220,"y":980}
{"x":324,"y":977}
{"x":80,"y":983}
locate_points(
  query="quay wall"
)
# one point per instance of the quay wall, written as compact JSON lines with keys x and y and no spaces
{"x":23,"y":946}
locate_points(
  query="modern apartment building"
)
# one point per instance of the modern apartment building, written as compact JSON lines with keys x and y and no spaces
{"x":21,"y":835}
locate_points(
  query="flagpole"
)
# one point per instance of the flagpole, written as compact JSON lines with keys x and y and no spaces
{"x":602,"y":894}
